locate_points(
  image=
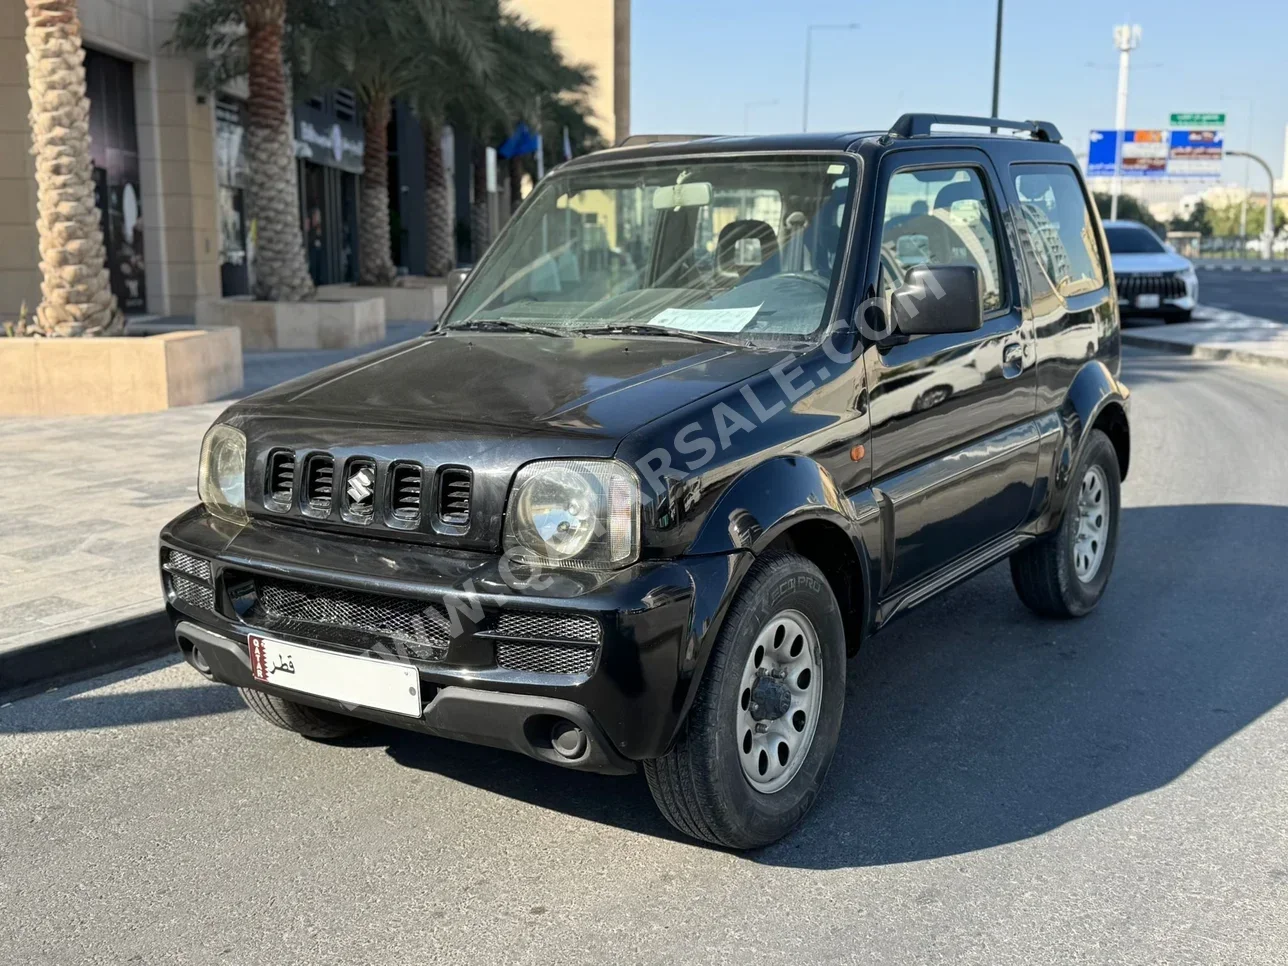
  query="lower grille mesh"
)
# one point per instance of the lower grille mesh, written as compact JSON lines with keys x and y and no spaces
{"x":283,"y":605}
{"x":544,"y":658}
{"x":548,"y":627}
{"x":186,"y":563}
{"x":179,"y":587}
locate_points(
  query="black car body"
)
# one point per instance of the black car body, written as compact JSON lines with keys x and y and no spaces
{"x":898,"y":464}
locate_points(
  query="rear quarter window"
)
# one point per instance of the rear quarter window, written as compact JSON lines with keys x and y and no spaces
{"x":1063,"y":251}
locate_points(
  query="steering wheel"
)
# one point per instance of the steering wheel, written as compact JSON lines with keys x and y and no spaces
{"x":813,"y":277}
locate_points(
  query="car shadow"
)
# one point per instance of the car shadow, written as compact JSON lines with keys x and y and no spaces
{"x":971,"y":723}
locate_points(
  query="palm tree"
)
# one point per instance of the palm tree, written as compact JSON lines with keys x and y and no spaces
{"x":281,"y":271}
{"x":378,"y":48}
{"x":535,"y":75}
{"x":251,"y":39}
{"x":76,"y":293}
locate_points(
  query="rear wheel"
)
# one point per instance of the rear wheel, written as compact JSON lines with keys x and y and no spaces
{"x":764,"y":725}
{"x":1065,"y":573}
{"x":300,"y":718}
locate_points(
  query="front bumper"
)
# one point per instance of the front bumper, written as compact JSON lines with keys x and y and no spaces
{"x":656,"y":620}
{"x":1186,"y":301}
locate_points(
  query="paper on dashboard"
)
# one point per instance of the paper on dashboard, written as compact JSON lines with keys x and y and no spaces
{"x":706,"y":320}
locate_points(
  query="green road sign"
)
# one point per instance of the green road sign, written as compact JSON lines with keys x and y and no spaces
{"x":1198,"y":120}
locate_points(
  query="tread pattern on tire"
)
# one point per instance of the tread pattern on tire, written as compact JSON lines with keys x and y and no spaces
{"x":676,"y":788}
{"x":299,"y":718}
{"x":1039,"y":571}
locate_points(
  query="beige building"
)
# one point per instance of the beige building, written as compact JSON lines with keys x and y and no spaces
{"x":165,"y":157}
{"x":596,"y":33}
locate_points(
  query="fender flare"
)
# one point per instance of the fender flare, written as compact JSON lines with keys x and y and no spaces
{"x":1093,"y":391}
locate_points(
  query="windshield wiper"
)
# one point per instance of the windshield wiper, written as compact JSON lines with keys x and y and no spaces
{"x":504,"y":325}
{"x":643,"y":328}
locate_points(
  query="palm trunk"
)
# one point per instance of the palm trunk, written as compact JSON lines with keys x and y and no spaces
{"x":281,"y":271}
{"x":516,"y":183}
{"x":440,"y":241}
{"x":75,"y":287}
{"x":479,"y":227}
{"x":376,"y":264}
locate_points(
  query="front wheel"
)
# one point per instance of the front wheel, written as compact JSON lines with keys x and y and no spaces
{"x":300,"y":718}
{"x":1064,"y":574}
{"x":765,"y":722}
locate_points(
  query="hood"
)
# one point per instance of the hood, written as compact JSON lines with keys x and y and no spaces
{"x":1151,"y":263}
{"x":502,"y":383}
{"x":489,"y":402}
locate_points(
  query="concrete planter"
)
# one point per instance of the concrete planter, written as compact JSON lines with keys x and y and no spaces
{"x":421,"y":301}
{"x":91,"y":377}
{"x":318,"y":324}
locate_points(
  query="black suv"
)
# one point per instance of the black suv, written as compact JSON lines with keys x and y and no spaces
{"x":709,"y":413}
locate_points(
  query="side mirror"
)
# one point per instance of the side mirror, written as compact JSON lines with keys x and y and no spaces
{"x":455,"y":279}
{"x":937,"y":299}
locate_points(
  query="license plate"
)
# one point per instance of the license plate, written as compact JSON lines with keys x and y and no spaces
{"x":1147,"y":301}
{"x":366,"y":682}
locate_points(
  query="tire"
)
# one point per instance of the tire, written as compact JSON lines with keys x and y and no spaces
{"x":1049,"y":575}
{"x":1179,"y":315}
{"x":701,"y":785}
{"x":300,"y":718}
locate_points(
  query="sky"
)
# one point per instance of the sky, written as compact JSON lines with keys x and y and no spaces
{"x":713,"y":66}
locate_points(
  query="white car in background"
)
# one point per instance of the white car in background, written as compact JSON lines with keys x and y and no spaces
{"x":1152,"y":278}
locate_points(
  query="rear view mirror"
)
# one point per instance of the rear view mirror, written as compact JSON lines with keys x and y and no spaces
{"x":937,"y":299}
{"x":693,"y":194}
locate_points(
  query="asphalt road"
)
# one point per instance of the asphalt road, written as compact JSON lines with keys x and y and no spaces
{"x":1008,"y":790}
{"x":1264,"y":294}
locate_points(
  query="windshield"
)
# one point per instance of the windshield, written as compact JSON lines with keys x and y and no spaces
{"x":1133,"y":241}
{"x":743,"y":248}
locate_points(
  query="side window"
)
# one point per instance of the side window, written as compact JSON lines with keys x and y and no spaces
{"x":1062,"y":240}
{"x":940,"y":216}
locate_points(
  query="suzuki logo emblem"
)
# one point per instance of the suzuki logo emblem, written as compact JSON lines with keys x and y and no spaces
{"x":360,"y":485}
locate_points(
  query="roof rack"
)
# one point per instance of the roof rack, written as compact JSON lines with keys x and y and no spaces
{"x":919,"y":125}
{"x":635,"y":140}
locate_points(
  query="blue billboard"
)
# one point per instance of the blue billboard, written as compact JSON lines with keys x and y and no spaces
{"x":1156,"y":154}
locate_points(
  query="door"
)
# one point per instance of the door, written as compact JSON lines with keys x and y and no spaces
{"x":953,"y":438}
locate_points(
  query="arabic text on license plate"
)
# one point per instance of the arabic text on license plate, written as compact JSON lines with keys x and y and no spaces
{"x":360,"y":681}
{"x":1147,"y":301}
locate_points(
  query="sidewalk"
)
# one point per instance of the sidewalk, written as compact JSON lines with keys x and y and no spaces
{"x":1217,"y":334}
{"x":82,"y":501}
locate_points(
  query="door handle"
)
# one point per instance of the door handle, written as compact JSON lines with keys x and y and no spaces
{"x":1012,"y":360}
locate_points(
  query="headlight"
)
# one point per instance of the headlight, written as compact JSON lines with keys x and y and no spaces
{"x":221,"y":481}
{"x":581,"y":513}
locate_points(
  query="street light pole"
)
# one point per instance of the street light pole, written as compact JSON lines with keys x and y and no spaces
{"x":997,"y":63}
{"x":1126,"y":39}
{"x":1268,"y":226}
{"x":809,"y":34}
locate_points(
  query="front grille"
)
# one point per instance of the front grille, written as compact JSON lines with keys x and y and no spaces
{"x":280,"y":485}
{"x":190,"y":592}
{"x":404,"y":493}
{"x":544,"y":658}
{"x":185,"y":563}
{"x":319,"y":483}
{"x":1165,"y":286}
{"x":548,"y":627}
{"x":360,"y":490}
{"x":454,"y":496}
{"x":312,"y":609}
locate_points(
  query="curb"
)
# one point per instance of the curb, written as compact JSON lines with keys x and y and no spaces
{"x":31,"y":668}
{"x":1201,"y":351}
{"x":1235,"y":265}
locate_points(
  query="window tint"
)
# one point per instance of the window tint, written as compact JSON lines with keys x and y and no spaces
{"x":939,"y":216}
{"x":1133,"y":241}
{"x":1054,"y":211}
